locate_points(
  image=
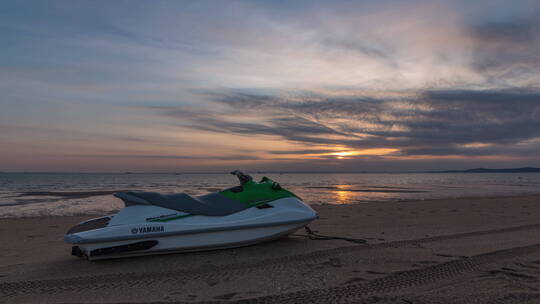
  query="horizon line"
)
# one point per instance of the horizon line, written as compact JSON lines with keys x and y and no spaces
{"x":260,"y":171}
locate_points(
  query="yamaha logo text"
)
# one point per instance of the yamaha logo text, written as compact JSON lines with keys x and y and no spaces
{"x":148,"y":229}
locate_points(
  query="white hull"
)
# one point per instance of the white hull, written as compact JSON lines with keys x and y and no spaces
{"x":198,"y":241}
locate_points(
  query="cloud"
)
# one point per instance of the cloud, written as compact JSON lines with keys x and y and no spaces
{"x":308,"y":151}
{"x":507,"y":50}
{"x":165,"y":157}
{"x":429,"y":122}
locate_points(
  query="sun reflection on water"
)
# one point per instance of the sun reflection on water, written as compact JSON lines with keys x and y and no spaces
{"x":342,"y":194}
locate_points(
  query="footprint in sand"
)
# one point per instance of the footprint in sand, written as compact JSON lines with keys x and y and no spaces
{"x":226,"y":296}
{"x":334,"y":262}
{"x":212,"y":282}
{"x":450,"y":255}
{"x":428,"y":262}
{"x":35,"y":236}
{"x":514,"y":275}
{"x":354,"y":280}
{"x":526,"y":265}
{"x":175,"y":294}
{"x":375,"y":272}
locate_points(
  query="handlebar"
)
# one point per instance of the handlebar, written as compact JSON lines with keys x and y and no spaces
{"x":244,"y":178}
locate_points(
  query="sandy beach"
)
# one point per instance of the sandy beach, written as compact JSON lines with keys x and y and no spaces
{"x":467,"y":250}
{"x":412,"y":128}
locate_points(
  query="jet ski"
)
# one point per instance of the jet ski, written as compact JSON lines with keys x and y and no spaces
{"x":154,"y":223}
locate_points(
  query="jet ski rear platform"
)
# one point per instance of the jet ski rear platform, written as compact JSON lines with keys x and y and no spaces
{"x":153,"y":223}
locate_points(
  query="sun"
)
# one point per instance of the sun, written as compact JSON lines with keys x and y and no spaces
{"x":365,"y":152}
{"x":342,"y":155}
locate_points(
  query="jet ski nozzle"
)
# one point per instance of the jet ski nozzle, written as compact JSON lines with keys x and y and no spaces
{"x":76,"y":251}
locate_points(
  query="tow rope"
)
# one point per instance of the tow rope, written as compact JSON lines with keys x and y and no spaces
{"x":315,"y":236}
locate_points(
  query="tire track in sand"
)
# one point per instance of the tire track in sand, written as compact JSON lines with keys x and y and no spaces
{"x":394,"y":282}
{"x":390,"y":284}
{"x":138,"y":280}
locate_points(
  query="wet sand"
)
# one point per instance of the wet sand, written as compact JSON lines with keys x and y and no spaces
{"x":468,"y":250}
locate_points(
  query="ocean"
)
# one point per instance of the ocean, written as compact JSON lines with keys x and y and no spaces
{"x":57,"y":194}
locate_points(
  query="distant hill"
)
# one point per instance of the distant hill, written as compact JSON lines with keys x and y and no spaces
{"x":484,"y":170}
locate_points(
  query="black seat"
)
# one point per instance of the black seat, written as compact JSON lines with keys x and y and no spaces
{"x":213,"y":204}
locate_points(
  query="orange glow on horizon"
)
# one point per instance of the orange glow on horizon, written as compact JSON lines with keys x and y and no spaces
{"x":375,"y":151}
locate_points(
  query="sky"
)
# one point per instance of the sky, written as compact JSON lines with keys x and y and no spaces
{"x":199,"y":86}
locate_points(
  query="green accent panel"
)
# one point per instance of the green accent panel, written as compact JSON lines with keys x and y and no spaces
{"x":254,"y":193}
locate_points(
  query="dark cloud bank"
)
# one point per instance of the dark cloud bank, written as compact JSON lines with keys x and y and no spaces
{"x":431,"y":122}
